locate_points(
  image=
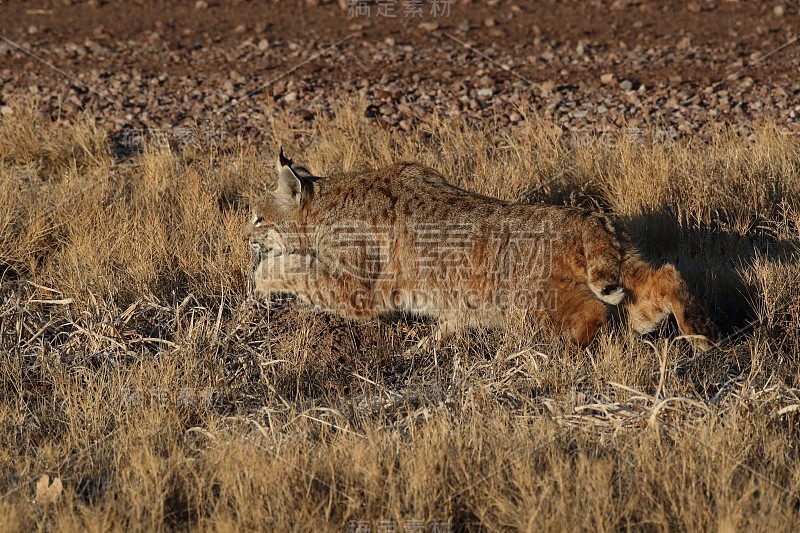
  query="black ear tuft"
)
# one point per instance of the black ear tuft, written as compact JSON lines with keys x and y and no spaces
{"x":283,"y":160}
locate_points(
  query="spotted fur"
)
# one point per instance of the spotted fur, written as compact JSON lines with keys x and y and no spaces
{"x":402,"y":239}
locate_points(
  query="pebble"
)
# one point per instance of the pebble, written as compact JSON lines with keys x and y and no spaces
{"x":548,"y":86}
{"x":485,"y":81}
{"x":607,"y":78}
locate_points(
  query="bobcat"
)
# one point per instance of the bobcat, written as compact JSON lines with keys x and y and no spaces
{"x":402,"y":239}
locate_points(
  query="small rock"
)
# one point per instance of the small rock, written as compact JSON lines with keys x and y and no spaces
{"x":6,"y":111}
{"x":463,"y":26}
{"x":201,"y":4}
{"x":779,"y":10}
{"x":485,"y":92}
{"x":548,"y":86}
{"x":263,"y":44}
{"x":485,"y":81}
{"x":490,"y":22}
{"x":241,"y":28}
{"x":428,"y":26}
{"x":607,"y":78}
{"x":626,"y":85}
{"x":234,"y":76}
{"x":515,"y":117}
{"x":602,"y":109}
{"x":290,"y":97}
{"x":32,"y":29}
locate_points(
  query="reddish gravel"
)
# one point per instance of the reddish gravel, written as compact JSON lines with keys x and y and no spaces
{"x":587,"y":66}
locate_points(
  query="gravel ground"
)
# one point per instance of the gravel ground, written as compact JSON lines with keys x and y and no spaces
{"x":224,"y":68}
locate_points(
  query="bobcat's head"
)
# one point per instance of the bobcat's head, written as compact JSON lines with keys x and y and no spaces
{"x":275,"y":224}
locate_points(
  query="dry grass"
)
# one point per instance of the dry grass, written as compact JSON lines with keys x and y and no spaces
{"x":138,"y":371}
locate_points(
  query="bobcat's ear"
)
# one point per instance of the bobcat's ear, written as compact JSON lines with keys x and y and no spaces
{"x":283,"y":161}
{"x":289,"y":188}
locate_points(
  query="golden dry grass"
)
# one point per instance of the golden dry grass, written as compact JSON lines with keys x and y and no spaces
{"x":139,"y":372}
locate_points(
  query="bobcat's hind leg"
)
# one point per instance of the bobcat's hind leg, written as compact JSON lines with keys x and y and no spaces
{"x":657,"y":293}
{"x":691,"y":318}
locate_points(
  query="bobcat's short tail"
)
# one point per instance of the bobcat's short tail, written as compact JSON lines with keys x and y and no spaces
{"x":602,"y":246}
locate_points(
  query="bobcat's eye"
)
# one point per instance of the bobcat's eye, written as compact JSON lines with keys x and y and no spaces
{"x":258,"y":221}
